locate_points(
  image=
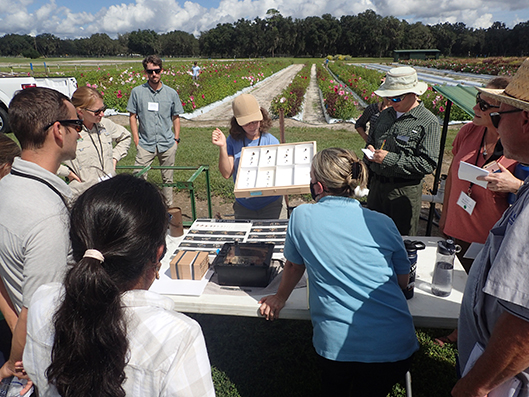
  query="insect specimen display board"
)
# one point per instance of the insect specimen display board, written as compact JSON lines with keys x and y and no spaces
{"x":274,"y":170}
{"x":211,"y":234}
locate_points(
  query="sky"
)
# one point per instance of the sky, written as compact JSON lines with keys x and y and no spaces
{"x":75,"y":19}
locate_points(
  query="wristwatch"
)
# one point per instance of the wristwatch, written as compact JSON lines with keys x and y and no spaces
{"x":177,"y":140}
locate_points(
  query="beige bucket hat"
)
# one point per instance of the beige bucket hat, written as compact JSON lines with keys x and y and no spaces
{"x":246,"y":109}
{"x":516,"y":94}
{"x":400,"y":81}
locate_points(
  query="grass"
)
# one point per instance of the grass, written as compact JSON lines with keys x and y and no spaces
{"x":252,"y":357}
{"x":196,"y":149}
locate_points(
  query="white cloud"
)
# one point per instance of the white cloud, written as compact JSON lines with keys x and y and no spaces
{"x":167,"y":15}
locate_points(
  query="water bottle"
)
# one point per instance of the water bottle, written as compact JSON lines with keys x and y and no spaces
{"x":444,"y":267}
{"x":411,"y":249}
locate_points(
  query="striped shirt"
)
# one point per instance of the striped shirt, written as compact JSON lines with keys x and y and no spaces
{"x":412,"y":141}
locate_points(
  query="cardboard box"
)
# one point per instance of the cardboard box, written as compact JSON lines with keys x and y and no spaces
{"x":274,"y":170}
{"x":189,"y":265}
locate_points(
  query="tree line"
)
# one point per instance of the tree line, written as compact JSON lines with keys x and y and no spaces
{"x":364,"y":35}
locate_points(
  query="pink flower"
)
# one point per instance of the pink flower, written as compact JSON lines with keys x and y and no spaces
{"x":234,"y":81}
{"x":119,"y":95}
{"x":341,"y":92}
{"x":441,"y":109}
{"x":203,"y":97}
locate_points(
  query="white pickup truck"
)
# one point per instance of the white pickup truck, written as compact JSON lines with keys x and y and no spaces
{"x":11,"y":84}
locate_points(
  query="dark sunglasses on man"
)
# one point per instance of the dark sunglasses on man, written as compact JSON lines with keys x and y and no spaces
{"x":496,"y":116}
{"x":76,"y":124}
{"x":483,"y":105}
{"x":397,"y":99}
{"x":151,"y":71}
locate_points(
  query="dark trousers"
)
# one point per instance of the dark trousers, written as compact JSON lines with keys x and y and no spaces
{"x":399,"y":199}
{"x":346,"y":379}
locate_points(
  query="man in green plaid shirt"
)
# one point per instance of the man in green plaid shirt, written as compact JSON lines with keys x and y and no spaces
{"x":405,"y":146}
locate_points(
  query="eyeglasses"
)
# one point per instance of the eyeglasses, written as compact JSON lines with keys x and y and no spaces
{"x":98,"y":111}
{"x":398,"y":98}
{"x":483,"y":105}
{"x":77,"y":124}
{"x":496,"y":116}
{"x":151,"y":71}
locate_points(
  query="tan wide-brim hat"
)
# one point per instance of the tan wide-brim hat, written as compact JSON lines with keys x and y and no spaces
{"x":400,"y":81}
{"x":516,"y":94}
{"x":246,"y":109}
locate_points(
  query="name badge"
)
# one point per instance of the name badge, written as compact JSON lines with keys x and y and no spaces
{"x":104,"y":177}
{"x":466,"y":203}
{"x":153,"y":106}
{"x":403,"y":138}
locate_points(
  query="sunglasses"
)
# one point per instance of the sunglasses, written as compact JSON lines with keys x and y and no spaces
{"x":496,"y":116}
{"x":483,"y":105}
{"x":77,"y":124}
{"x":98,"y":111}
{"x":151,"y":71}
{"x":398,"y":98}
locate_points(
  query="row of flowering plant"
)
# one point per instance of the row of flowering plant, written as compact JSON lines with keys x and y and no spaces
{"x":362,"y":81}
{"x":338,"y":101}
{"x":290,"y":100}
{"x":365,"y":81}
{"x":217,"y":80}
{"x":494,"y":65}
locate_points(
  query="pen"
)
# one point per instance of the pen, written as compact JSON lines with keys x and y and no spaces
{"x":383,"y":143}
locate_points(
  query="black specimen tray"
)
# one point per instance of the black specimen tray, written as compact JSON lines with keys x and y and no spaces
{"x":244,"y":264}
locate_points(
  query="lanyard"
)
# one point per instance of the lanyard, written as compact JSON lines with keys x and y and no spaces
{"x":99,"y":154}
{"x":36,"y":178}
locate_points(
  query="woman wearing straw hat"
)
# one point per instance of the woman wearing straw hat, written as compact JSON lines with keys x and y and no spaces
{"x":249,"y":126}
{"x":405,"y":146}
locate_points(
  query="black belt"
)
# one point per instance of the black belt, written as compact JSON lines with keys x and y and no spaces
{"x":385,"y":179}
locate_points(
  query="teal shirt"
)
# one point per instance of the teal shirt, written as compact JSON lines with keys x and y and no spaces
{"x":352,"y":256}
{"x":412,"y":141}
{"x":155,"y":110}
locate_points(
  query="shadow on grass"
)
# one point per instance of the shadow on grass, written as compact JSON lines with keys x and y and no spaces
{"x":252,"y":357}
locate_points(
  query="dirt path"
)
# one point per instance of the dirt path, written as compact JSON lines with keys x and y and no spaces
{"x":313,"y":113}
{"x":264,"y":92}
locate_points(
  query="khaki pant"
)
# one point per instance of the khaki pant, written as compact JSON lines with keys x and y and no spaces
{"x":167,"y":158}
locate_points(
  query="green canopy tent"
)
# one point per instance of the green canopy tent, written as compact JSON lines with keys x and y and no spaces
{"x":465,"y":98}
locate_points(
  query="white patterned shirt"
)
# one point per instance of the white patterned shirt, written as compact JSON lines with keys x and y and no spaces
{"x":167,"y":351}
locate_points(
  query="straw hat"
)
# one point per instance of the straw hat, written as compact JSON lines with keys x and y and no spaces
{"x":246,"y":109}
{"x":516,"y":94}
{"x":400,"y":81}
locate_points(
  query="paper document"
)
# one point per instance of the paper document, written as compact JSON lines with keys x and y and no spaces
{"x":369,"y":154}
{"x":469,"y":172}
{"x":510,"y":388}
